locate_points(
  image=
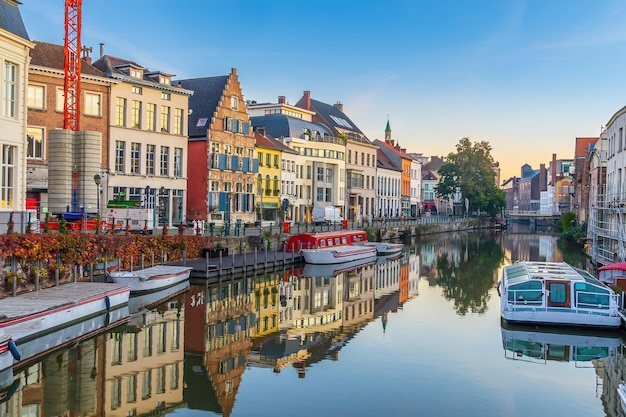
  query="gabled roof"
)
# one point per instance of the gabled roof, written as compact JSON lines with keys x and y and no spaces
{"x":50,"y":55}
{"x":285,"y":126}
{"x":267,"y":141}
{"x":203,"y":104}
{"x":583,"y":145}
{"x":11,"y":19}
{"x":395,"y":155}
{"x":433,"y":165}
{"x":429,"y":176}
{"x":382,"y":161}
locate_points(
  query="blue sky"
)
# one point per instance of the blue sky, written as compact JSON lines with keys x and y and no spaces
{"x":526,"y":76}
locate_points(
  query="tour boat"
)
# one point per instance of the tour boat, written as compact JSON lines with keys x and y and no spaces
{"x":325,"y":239}
{"x":540,"y":345}
{"x":338,"y":254}
{"x":556,"y":293}
{"x":153,"y":278}
{"x":385,"y":248}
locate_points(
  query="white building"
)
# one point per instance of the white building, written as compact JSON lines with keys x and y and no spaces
{"x":14,"y":58}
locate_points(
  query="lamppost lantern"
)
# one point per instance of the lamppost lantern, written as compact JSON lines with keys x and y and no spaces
{"x":98,"y":180}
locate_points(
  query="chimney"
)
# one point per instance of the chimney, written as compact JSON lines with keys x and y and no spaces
{"x":339,"y":105}
{"x":403,"y":150}
{"x":101,"y":49}
{"x":87,"y":59}
{"x":281,"y":99}
{"x":307,"y":100}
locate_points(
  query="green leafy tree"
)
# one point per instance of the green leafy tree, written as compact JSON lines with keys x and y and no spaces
{"x":470,"y":171}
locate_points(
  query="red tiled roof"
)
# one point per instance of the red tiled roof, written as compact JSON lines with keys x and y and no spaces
{"x":52,"y":56}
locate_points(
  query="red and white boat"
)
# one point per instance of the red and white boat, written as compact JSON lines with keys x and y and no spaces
{"x":325,"y":240}
{"x":613,"y":274}
{"x":151,"y":279}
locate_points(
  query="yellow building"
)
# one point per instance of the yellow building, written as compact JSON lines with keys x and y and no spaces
{"x":265,"y":303}
{"x":269,"y":155}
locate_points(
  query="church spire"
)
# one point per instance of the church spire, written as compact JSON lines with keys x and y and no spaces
{"x":388,"y":132}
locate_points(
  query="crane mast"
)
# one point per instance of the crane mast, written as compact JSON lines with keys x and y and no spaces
{"x":71,"y":87}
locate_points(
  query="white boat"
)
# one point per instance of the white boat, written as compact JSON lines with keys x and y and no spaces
{"x":338,"y":254}
{"x":540,"y":345}
{"x":556,"y":293}
{"x":153,"y":278}
{"x":332,"y":270}
{"x":39,"y":313}
{"x":385,"y":248}
{"x":621,"y":391}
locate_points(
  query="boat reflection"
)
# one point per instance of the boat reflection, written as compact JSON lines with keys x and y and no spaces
{"x":540,"y":345}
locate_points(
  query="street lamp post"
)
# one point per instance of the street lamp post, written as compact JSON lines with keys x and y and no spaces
{"x":98,"y":180}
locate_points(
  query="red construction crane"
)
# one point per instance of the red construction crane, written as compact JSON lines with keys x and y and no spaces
{"x":71,"y":88}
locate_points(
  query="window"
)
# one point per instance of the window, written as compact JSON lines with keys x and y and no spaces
{"x":120,"y":147}
{"x":329,"y":175}
{"x":320,"y":173}
{"x":9,"y":96}
{"x":275,"y":161}
{"x":165,"y":119}
{"x":165,"y":156}
{"x":120,"y":111}
{"x":36,"y":94}
{"x":60,"y":98}
{"x":34,"y":145}
{"x":146,"y":384}
{"x":135,"y":157}
{"x":329,"y":195}
{"x":260,"y":155}
{"x":178,"y":121}
{"x":136,"y":73}
{"x":119,"y":193}
{"x":320,"y":194}
{"x":151,"y":117}
{"x":132,"y":346}
{"x":150,"y":150}
{"x":135,"y":114}
{"x":7,"y":176}
{"x":160,"y":380}
{"x":136,"y":90}
{"x":131,"y":389}
{"x":166,"y":96}
{"x":92,"y":105}
{"x":268,"y":159}
{"x":178,"y":162}
{"x":234,"y":101}
{"x":116,"y":393}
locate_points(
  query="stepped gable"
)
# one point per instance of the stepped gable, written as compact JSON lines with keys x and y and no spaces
{"x":208,"y":92}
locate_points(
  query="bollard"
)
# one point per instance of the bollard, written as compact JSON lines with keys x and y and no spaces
{"x":152,"y":258}
{"x":36,"y":281}
{"x":220,"y":263}
{"x":56,"y":277}
{"x":91,"y":272}
{"x":184,"y":257}
{"x":143,"y":258}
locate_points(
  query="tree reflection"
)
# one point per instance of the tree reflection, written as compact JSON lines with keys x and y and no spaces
{"x":467,"y":278}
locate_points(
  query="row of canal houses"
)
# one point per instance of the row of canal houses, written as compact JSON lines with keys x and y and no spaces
{"x":192,"y":149}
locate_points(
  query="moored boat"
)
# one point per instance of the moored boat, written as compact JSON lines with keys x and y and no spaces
{"x":147,"y":301}
{"x":33,"y":315}
{"x":338,"y":254}
{"x":154,"y":278}
{"x":325,"y":239}
{"x":613,"y":274}
{"x":332,"y":270}
{"x":556,"y":293}
{"x":385,"y":248}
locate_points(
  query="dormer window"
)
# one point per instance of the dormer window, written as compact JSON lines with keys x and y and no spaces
{"x":165,"y":80}
{"x":136,"y":73}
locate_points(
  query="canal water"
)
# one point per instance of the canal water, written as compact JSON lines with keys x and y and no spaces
{"x":419,"y":335}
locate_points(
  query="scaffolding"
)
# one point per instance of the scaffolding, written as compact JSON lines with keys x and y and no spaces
{"x":606,"y":231}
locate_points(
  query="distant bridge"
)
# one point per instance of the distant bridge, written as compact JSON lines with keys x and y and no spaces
{"x":536,"y":220}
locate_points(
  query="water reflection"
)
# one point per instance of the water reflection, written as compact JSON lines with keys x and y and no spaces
{"x":217,"y":348}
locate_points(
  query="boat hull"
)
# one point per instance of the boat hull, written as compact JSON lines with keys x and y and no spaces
{"x":332,"y":270}
{"x":339,"y":254}
{"x":151,"y":279}
{"x":555,"y":293}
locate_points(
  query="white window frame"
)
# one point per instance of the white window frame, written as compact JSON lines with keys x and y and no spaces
{"x":32,"y":151}
{"x":9,"y":89}
{"x":35,"y":100}
{"x":89,"y":108}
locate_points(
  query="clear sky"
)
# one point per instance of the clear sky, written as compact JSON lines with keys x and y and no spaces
{"x":526,"y":76}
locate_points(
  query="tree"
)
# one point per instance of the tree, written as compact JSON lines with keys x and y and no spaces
{"x":470,"y":170}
